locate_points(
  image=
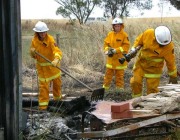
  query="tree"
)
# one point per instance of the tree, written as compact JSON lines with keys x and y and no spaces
{"x":168,"y":3}
{"x":175,"y":3}
{"x":80,"y":9}
{"x":121,"y":8}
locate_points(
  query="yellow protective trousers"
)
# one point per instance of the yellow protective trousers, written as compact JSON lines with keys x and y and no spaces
{"x":44,"y":89}
{"x":136,"y":83}
{"x":119,"y":78}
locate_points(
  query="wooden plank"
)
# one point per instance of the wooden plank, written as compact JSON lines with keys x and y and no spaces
{"x":35,"y":94}
{"x":127,"y":128}
{"x":169,"y":87}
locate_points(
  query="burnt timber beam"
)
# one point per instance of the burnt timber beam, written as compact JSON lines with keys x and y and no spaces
{"x":109,"y":133}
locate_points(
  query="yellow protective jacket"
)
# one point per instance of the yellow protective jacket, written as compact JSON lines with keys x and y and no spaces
{"x":49,"y":49}
{"x":120,"y":42}
{"x":152,"y":57}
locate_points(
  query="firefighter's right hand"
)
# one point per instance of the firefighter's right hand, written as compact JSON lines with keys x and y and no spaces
{"x":173,"y":80}
{"x":111,"y":52}
{"x":55,"y":62}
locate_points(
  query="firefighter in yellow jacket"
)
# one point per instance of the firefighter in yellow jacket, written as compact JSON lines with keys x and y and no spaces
{"x":44,"y":44}
{"x":115,"y":45}
{"x":156,"y":48}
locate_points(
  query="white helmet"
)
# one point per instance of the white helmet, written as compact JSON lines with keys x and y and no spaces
{"x":117,"y":21}
{"x":163,"y":35}
{"x":40,"y":27}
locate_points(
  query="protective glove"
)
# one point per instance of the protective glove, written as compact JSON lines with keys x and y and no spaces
{"x":55,"y":62}
{"x":33,"y":53}
{"x":128,"y":57}
{"x":113,"y":50}
{"x":173,"y":80}
{"x":109,"y":53}
{"x":123,"y":59}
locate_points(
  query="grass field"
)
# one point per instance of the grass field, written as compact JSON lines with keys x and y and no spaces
{"x":82,"y":44}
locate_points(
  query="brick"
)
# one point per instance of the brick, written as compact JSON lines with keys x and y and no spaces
{"x":120,"y":107}
{"x":122,"y":115}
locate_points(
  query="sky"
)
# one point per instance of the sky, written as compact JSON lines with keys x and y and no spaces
{"x":46,"y":9}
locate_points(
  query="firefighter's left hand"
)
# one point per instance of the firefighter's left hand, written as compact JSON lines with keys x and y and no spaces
{"x":33,"y":51}
{"x":173,"y":80}
{"x":55,"y":62}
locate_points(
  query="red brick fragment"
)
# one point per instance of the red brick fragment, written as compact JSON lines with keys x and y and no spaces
{"x":122,"y":115}
{"x":120,"y":108}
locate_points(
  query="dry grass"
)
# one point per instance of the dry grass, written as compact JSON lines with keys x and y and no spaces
{"x":82,"y":44}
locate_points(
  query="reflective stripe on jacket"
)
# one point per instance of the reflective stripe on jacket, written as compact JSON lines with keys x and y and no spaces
{"x":43,"y":103}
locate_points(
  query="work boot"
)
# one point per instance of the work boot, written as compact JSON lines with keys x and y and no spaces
{"x":57,"y":103}
{"x":57,"y":98}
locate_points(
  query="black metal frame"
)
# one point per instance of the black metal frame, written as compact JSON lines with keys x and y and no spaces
{"x":10,"y":79}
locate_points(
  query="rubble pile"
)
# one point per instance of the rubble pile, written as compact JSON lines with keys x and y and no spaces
{"x":59,"y":120}
{"x":167,"y":100}
{"x":45,"y":125}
